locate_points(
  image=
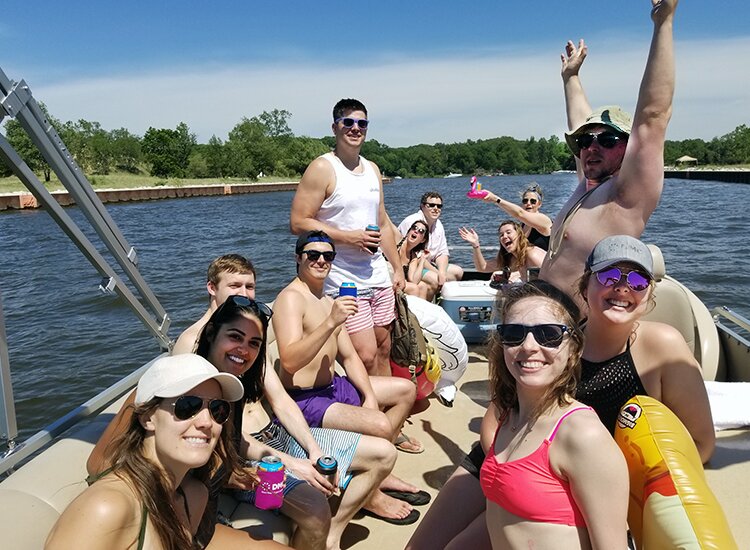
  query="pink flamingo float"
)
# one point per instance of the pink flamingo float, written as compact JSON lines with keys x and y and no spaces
{"x":476,"y":189}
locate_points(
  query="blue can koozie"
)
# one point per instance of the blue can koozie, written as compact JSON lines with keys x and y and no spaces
{"x":348,"y":289}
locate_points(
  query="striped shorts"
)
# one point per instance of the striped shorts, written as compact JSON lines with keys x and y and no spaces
{"x":339,"y":444}
{"x":373,"y":309}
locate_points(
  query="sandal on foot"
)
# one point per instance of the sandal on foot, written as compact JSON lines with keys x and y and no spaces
{"x":408,"y":445}
{"x":408,"y":520}
{"x":420,"y":498}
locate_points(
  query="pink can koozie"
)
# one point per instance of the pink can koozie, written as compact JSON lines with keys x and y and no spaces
{"x":270,"y":492}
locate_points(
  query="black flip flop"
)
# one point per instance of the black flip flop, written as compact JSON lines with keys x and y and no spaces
{"x":408,"y":520}
{"x":420,"y":498}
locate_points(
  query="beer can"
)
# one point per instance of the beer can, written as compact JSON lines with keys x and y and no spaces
{"x":372,"y":227}
{"x":327,"y":467}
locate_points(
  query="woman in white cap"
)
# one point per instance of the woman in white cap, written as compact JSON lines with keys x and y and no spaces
{"x":154,"y":493}
{"x":625,"y":356}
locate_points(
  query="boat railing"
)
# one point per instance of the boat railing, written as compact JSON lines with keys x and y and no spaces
{"x":723,"y":316}
{"x":16,"y":101}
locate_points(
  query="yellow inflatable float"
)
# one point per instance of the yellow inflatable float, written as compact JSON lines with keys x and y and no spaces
{"x":671,"y":505}
{"x":424,"y":376}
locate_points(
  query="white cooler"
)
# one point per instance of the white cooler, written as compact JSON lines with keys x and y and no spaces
{"x":470,"y":305}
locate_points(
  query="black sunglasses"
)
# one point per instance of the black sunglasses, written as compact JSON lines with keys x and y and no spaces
{"x":242,"y":302}
{"x":348,"y":122}
{"x":606,"y":139}
{"x":314,"y":255}
{"x":529,"y":201}
{"x":188,"y":406}
{"x":419,"y":229}
{"x":613,"y":275}
{"x":548,"y":335}
{"x":437,"y":205}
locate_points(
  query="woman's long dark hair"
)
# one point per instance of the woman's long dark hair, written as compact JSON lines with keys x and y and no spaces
{"x":420,"y":246}
{"x":502,"y":384}
{"x":505,"y":258}
{"x":151,"y":484}
{"x":227,"y":312}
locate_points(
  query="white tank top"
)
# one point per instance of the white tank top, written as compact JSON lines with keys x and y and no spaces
{"x":354,"y":204}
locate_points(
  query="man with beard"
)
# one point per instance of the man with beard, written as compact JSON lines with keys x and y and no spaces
{"x":620,"y":163}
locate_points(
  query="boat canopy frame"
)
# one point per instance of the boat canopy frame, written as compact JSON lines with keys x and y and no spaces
{"x":17,"y":101}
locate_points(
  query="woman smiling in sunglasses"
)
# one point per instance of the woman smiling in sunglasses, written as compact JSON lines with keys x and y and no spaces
{"x":516,"y":254}
{"x":414,"y":256}
{"x":155,"y":492}
{"x":536,"y":226}
{"x":625,"y":356}
{"x":553,"y":477}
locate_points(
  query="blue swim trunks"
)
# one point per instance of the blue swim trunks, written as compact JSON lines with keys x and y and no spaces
{"x":336,"y":443}
{"x":314,"y":402}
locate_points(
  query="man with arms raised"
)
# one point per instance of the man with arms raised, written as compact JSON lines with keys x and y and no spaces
{"x":311,"y":338}
{"x":341,"y":193}
{"x":620,"y":165}
{"x":430,"y":208}
{"x":228,"y":275}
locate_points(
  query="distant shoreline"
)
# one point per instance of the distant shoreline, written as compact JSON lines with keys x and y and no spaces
{"x":25,"y":200}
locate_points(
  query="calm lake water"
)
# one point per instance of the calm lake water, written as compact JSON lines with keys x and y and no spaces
{"x":67,"y":341}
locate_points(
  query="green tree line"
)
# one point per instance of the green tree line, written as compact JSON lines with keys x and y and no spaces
{"x":265,"y":145}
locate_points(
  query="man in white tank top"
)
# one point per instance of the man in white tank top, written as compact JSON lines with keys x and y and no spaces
{"x":341,"y":193}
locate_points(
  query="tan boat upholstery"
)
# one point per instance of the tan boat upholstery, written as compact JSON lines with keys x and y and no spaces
{"x":679,"y":307}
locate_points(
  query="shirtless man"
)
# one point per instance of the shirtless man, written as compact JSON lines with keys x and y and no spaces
{"x":311,"y":337}
{"x":228,"y":275}
{"x":341,"y":193}
{"x":619,"y":163}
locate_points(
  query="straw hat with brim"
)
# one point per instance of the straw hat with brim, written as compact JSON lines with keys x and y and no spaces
{"x":620,"y":248}
{"x":176,"y":374}
{"x":609,"y":115}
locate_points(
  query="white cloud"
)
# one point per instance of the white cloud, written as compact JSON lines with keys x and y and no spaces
{"x":413,"y":100}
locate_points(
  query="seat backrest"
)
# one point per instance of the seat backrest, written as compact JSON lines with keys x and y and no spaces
{"x":680,"y":308}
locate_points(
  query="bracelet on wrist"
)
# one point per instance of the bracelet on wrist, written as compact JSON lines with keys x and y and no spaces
{"x":498,"y":200}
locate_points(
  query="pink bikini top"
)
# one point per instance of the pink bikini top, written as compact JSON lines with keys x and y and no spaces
{"x":528,"y":488}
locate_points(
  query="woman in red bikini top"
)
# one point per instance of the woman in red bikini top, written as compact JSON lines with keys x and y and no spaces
{"x":553,"y":476}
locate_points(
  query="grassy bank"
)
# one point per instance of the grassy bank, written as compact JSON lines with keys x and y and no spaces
{"x":124,"y":180}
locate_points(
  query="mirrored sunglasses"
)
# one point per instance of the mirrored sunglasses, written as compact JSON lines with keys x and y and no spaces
{"x":348,"y":122}
{"x":258,"y":308}
{"x":529,"y":201}
{"x":188,"y":406}
{"x":437,"y":205}
{"x":314,"y":255}
{"x":606,"y":139}
{"x":548,"y":335}
{"x":418,"y":228}
{"x":610,"y":276}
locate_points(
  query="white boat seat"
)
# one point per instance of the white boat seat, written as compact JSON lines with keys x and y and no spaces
{"x":679,"y":307}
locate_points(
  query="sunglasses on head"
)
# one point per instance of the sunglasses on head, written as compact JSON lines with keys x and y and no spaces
{"x":188,"y":406}
{"x":437,"y":205}
{"x":612,"y":275}
{"x":242,"y":302}
{"x":606,"y":139}
{"x":548,"y":335}
{"x":314,"y":255}
{"x":529,"y":201}
{"x":418,"y":228}
{"x":348,"y":122}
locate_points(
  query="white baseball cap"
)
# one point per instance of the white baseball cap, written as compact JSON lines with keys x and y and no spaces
{"x":174,"y":375}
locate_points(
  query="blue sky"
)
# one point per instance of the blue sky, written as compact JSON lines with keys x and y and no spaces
{"x":429,"y":72}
